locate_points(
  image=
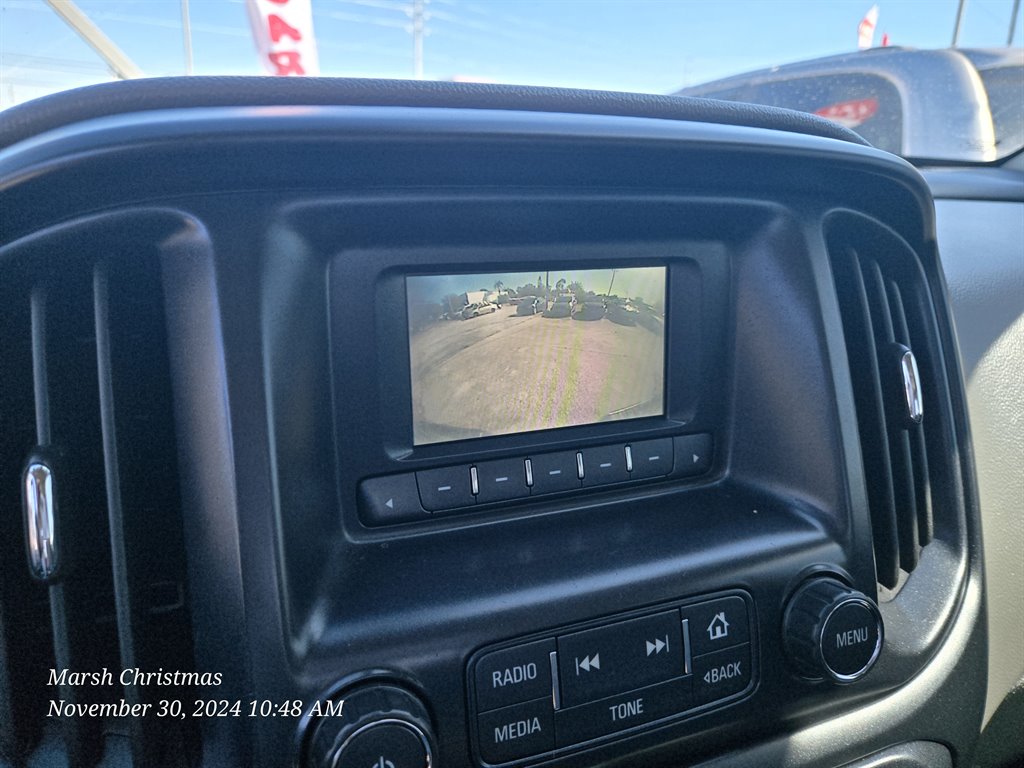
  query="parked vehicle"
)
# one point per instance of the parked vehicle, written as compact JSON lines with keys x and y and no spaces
{"x":530,"y":305}
{"x":590,"y":310}
{"x":481,"y":308}
{"x":891,"y":97}
{"x":562,"y":307}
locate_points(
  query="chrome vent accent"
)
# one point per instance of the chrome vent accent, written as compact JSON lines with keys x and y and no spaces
{"x":88,"y":498}
{"x":900,"y":392}
{"x":40,"y":520}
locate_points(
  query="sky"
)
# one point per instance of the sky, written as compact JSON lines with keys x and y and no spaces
{"x":647,"y":283}
{"x":655,"y":46}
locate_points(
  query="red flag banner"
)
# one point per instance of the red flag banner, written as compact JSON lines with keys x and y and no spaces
{"x":866,"y":28}
{"x":283,"y":33}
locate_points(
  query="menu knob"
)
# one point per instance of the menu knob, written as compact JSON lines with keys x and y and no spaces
{"x":832,"y":631}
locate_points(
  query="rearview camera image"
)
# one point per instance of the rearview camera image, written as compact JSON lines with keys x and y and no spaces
{"x":502,"y":353}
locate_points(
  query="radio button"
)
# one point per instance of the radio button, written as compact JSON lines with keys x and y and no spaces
{"x":514,"y":675}
{"x":651,"y":458}
{"x":604,"y":465}
{"x":516,"y":732}
{"x":553,"y":472}
{"x":619,"y":657}
{"x":717,"y":624}
{"x":445,"y":488}
{"x":388,"y":500}
{"x":720,"y":674}
{"x":627,"y":710}
{"x":501,"y":480}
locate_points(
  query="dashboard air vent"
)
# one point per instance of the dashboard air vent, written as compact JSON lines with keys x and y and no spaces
{"x":86,"y":436}
{"x":892,"y":343}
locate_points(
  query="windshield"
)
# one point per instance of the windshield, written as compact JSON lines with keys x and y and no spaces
{"x":905,"y":91}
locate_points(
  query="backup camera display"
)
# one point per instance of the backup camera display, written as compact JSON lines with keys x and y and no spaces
{"x":508,"y":352}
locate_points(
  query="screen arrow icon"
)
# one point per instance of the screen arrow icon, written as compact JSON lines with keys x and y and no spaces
{"x":390,"y":503}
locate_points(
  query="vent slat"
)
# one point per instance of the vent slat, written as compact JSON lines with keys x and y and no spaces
{"x":904,"y":500}
{"x":860,"y":339}
{"x":67,"y":416}
{"x":26,"y":647}
{"x":915,"y":435}
{"x":142,"y":496}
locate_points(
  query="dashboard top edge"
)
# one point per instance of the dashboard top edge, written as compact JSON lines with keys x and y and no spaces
{"x":449,"y":125}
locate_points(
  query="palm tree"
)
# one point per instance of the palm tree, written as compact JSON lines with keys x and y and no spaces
{"x":498,"y":285}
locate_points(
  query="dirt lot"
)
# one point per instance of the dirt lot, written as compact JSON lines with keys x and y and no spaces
{"x":501,"y":373}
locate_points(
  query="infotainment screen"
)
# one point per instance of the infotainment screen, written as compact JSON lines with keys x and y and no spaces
{"x":510,"y":352}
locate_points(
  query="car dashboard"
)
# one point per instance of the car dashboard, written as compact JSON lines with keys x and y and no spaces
{"x":223,"y":456}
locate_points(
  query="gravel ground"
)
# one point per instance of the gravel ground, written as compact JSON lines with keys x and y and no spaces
{"x":501,"y":373}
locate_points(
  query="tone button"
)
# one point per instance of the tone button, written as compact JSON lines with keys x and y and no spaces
{"x":621,"y":712}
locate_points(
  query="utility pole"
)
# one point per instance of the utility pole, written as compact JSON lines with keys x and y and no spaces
{"x":119,"y":64}
{"x":186,"y":31}
{"x":1013,"y":22}
{"x":418,"y":29}
{"x":959,"y":21}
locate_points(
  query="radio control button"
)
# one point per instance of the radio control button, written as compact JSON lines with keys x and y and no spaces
{"x":501,"y":480}
{"x":445,"y":488}
{"x":514,"y":675}
{"x":553,"y":472}
{"x":618,"y":713}
{"x":651,"y":458}
{"x":619,"y":657}
{"x":516,"y":732}
{"x":720,"y":674}
{"x":717,"y":624}
{"x":389,"y":500}
{"x":604,"y":465}
{"x":693,"y":454}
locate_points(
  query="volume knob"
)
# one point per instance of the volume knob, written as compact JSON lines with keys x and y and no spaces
{"x":832,"y":631}
{"x":380,"y":726}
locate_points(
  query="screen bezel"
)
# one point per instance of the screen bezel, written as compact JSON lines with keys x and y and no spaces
{"x":688,"y":266}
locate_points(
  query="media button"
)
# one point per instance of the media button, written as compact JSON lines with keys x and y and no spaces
{"x":604,"y":465}
{"x":619,"y":657}
{"x":445,"y":488}
{"x":514,"y":675}
{"x":554,"y":472}
{"x":717,"y":624}
{"x":720,"y":674}
{"x":516,"y":732}
{"x":651,"y":458}
{"x":501,"y":480}
{"x":617,"y":713}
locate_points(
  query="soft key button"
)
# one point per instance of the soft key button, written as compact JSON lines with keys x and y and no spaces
{"x":501,"y":480}
{"x":604,"y":465}
{"x":514,"y":675}
{"x":446,"y":488}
